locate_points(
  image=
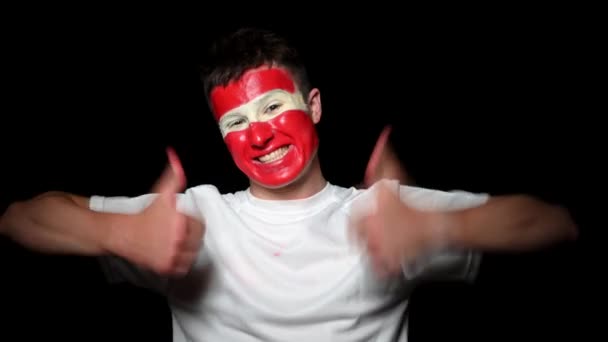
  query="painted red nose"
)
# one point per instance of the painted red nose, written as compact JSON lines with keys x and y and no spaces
{"x":260,"y":133}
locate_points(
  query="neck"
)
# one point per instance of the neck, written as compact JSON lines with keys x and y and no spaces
{"x":311,"y":182}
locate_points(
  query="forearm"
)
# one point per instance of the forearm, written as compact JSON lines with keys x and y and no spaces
{"x":57,"y":223}
{"x":509,"y":223}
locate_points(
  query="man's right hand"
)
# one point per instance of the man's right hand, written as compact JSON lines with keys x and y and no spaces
{"x":161,"y":238}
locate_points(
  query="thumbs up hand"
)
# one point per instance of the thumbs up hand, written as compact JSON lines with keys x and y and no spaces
{"x":393,"y":234}
{"x":384,"y":163}
{"x":161,"y":238}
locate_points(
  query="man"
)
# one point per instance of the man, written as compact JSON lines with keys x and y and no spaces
{"x":292,"y":257}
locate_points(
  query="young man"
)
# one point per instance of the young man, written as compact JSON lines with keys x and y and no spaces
{"x":292,"y":257}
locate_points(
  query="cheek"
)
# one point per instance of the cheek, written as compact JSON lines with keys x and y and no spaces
{"x":236,"y":142}
{"x":295,"y":123}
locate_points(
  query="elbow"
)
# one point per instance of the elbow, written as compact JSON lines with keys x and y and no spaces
{"x":564,"y":226}
{"x":551,"y":223}
{"x":10,"y":219}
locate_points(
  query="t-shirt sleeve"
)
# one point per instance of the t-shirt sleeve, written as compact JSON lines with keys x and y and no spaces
{"x":117,"y":269}
{"x":443,"y":264}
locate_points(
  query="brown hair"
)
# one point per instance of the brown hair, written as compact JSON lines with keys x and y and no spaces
{"x":233,"y":54}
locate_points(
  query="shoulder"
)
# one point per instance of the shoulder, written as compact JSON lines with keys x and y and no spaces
{"x":202,"y":191}
{"x":120,"y":204}
{"x":416,"y":196}
{"x":207,"y":195}
{"x":435,"y":199}
{"x":193,"y":197}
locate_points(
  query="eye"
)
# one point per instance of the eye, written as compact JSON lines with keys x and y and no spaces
{"x":236,"y":122}
{"x":273,"y":107}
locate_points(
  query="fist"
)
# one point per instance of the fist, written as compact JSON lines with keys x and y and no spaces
{"x":169,"y":241}
{"x":161,"y":238}
{"x":395,"y":234}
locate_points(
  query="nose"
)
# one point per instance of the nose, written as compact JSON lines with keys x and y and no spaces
{"x":260,"y":133}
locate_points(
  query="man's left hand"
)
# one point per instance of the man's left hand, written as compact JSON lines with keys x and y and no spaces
{"x":384,"y":163}
{"x":395,"y":234}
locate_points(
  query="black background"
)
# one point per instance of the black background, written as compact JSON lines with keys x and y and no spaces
{"x":485,"y":100}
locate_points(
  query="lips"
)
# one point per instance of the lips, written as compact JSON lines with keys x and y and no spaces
{"x":275,"y":155}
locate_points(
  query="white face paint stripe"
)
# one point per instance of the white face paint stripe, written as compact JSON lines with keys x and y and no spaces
{"x":262,"y":108}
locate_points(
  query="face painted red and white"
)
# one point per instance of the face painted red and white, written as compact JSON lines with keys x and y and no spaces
{"x":266,"y":126}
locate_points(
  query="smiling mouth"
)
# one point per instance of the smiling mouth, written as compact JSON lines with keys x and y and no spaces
{"x":274,"y":155}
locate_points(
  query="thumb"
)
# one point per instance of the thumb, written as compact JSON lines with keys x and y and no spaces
{"x":383,"y":162}
{"x":371,"y":172}
{"x":173,"y":178}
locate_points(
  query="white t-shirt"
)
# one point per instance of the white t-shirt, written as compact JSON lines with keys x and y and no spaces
{"x":289,"y":270}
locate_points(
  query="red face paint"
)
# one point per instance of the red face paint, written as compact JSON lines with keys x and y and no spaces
{"x":288,"y":137}
{"x":292,"y":129}
{"x":250,"y":86}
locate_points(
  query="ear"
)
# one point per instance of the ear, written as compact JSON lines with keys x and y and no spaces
{"x":314,"y":103}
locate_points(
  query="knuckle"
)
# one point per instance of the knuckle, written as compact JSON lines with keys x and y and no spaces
{"x":164,"y":268}
{"x":169,"y":265}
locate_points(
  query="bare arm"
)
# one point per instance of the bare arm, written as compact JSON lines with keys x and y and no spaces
{"x":397,"y":233}
{"x":57,"y":222}
{"x":159,"y":238}
{"x":509,"y":223}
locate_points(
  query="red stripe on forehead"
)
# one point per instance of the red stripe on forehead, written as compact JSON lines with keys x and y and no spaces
{"x":251,"y":85}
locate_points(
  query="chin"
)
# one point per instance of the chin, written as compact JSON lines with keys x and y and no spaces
{"x":284,"y":184}
{"x":305,"y":171}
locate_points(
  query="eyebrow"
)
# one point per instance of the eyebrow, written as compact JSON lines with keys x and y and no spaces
{"x":266,"y":96}
{"x":230,"y":116}
{"x":256,"y":102}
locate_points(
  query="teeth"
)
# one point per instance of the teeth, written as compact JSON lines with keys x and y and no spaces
{"x":274,"y":155}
